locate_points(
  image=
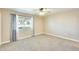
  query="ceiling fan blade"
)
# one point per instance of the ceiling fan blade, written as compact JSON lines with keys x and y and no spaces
{"x":41,"y":9}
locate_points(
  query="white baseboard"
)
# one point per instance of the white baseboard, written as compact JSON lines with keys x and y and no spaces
{"x":5,"y":42}
{"x":46,"y":34}
{"x":24,"y":37}
{"x":38,"y":34}
{"x":76,"y":40}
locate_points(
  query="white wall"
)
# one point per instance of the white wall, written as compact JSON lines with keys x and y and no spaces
{"x":38,"y":25}
{"x":65,"y":24}
{"x":5,"y":25}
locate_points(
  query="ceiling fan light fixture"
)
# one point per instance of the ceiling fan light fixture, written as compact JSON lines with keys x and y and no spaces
{"x":42,"y":13}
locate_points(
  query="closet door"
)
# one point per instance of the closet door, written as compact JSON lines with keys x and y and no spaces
{"x":24,"y":27}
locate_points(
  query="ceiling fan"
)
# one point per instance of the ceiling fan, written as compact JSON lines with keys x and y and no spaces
{"x":43,"y":11}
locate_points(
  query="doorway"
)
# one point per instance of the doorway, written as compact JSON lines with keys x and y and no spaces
{"x":21,"y":27}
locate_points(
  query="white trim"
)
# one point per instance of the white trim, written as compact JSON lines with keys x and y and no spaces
{"x":38,"y":34}
{"x":22,"y":38}
{"x":5,"y":42}
{"x":76,"y":40}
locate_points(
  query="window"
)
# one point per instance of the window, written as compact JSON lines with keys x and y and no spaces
{"x":24,"y":22}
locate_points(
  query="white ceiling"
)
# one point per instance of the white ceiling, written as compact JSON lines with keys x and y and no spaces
{"x":36,"y":10}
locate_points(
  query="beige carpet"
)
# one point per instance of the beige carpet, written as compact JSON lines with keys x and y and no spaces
{"x":41,"y":43}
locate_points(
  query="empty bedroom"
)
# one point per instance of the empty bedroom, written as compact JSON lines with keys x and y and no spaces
{"x":39,"y":29}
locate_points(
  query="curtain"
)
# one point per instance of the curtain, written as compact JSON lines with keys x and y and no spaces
{"x":13,"y":27}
